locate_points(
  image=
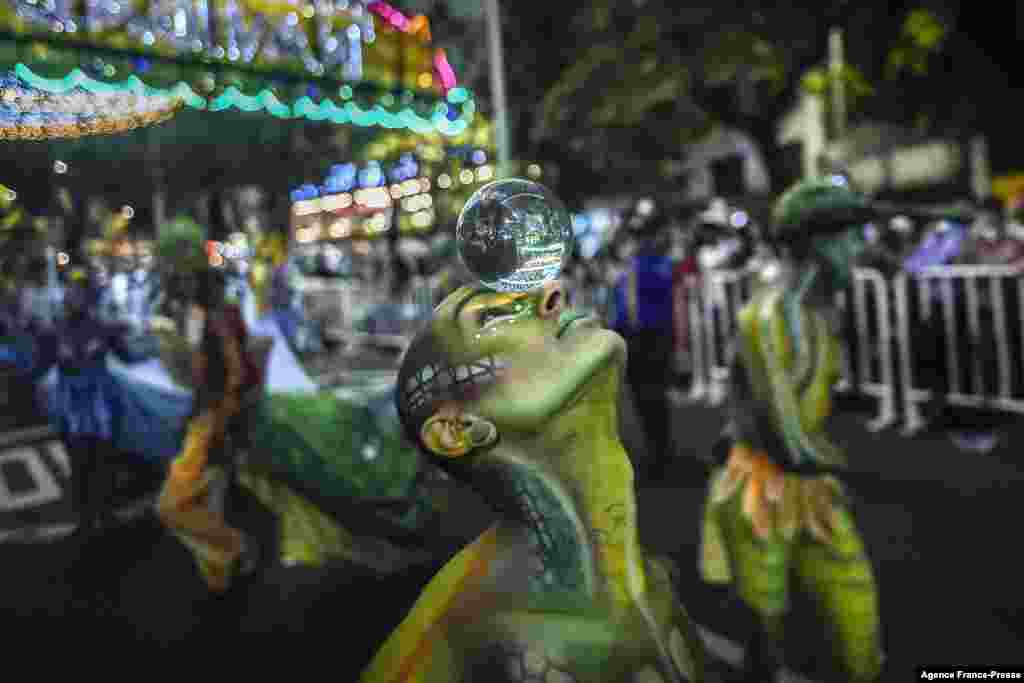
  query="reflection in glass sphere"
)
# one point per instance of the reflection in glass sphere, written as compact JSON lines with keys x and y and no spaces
{"x":514,"y":235}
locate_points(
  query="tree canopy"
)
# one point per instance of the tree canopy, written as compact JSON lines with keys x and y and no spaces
{"x":658,"y":70}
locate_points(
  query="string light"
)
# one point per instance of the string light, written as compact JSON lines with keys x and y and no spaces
{"x":466,"y":176}
{"x":373,"y":198}
{"x":340,"y":228}
{"x":444,"y":181}
{"x":378,"y":223}
{"x":422,"y":219}
{"x":306,"y":208}
{"x":444,"y":70}
{"x":266,"y":100}
{"x":417,"y":203}
{"x":63,"y":259}
{"x":335,"y":202}
{"x":484,"y":173}
{"x":128,"y":212}
{"x":533,"y":170}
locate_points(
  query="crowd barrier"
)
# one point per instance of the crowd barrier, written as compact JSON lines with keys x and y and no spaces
{"x":981,"y":334}
{"x":360,"y":313}
{"x":948,"y":334}
{"x":890,"y":339}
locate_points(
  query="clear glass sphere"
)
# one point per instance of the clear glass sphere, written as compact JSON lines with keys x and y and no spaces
{"x":514,"y":235}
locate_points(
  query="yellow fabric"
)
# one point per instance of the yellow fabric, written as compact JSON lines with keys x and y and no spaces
{"x":307,"y":535}
{"x":412,"y":649}
{"x":183,"y":505}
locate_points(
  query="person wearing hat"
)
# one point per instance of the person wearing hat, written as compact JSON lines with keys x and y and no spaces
{"x":87,"y":404}
{"x":775,"y":512}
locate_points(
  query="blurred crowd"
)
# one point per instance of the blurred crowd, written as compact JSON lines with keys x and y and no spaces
{"x":639,"y":282}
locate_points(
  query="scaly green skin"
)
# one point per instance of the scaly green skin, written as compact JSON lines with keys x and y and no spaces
{"x":787,"y":361}
{"x":559,"y":589}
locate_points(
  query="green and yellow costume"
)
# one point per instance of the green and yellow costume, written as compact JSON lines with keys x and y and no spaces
{"x":517,"y":397}
{"x":304,"y":452}
{"x":774,"y":512}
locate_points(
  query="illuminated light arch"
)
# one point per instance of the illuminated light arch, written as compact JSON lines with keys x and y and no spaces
{"x":323,"y":42}
{"x":267,"y":101}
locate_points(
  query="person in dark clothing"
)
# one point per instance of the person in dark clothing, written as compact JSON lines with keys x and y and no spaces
{"x":644,"y":318}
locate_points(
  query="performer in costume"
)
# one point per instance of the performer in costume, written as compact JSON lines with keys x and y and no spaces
{"x":774,"y":512}
{"x":516,"y":395}
{"x":224,"y":373}
{"x":87,"y":406}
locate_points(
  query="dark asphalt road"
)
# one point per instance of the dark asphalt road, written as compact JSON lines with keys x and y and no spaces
{"x":941,"y":526}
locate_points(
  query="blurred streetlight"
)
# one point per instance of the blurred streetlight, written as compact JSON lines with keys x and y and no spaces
{"x":497,"y":66}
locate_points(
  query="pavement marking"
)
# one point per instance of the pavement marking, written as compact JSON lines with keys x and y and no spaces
{"x":28,"y":435}
{"x":47,"y":490}
{"x":726,"y":650}
{"x":732,"y":654}
{"x":52,"y":532}
{"x":59,"y":454}
{"x":37,"y":534}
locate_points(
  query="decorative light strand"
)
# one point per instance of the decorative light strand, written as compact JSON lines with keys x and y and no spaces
{"x":32,"y":113}
{"x":444,"y":71}
{"x":419,"y":27}
{"x":265,"y":100}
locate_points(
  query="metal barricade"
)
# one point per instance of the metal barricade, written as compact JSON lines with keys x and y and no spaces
{"x":344,"y":309}
{"x":686,"y":319}
{"x":725,"y":293}
{"x":984,"y":287}
{"x":877,"y":371}
{"x":715,"y":302}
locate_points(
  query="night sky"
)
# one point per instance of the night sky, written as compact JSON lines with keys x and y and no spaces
{"x":996,"y":32}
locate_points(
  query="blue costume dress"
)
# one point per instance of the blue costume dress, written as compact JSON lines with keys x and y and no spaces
{"x":86,"y":405}
{"x":87,"y":400}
